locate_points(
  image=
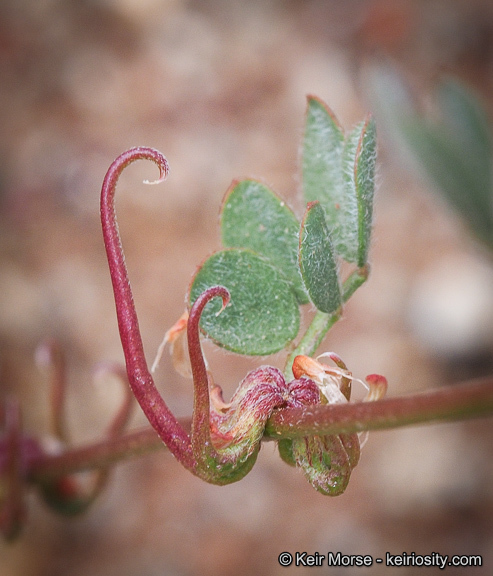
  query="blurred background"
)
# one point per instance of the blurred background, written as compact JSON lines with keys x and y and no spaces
{"x":219,"y":87}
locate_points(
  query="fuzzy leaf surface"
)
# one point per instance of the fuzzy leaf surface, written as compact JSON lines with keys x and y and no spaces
{"x":254,"y":217}
{"x":323,"y":144}
{"x":339,"y":172}
{"x":364,"y":178}
{"x":262,"y":316}
{"x":317,"y":261}
{"x":346,"y":234}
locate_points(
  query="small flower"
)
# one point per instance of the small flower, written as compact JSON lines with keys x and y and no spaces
{"x":327,"y":461}
{"x":335,"y":381}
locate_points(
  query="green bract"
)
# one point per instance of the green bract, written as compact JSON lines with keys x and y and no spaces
{"x":324,"y":461}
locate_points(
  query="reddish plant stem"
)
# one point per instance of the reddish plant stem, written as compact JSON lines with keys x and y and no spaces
{"x":101,"y":454}
{"x":454,"y":402}
{"x":157,"y":412}
{"x":457,"y":402}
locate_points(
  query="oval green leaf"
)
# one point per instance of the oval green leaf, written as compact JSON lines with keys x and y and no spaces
{"x":254,"y":217}
{"x":317,"y":261}
{"x":262,"y":316}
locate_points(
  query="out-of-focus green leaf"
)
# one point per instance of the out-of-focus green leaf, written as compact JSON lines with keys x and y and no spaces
{"x":444,"y":166}
{"x":254,"y":217}
{"x":468,"y":126}
{"x":453,"y":148}
{"x":317,"y":262}
{"x":262,"y":316}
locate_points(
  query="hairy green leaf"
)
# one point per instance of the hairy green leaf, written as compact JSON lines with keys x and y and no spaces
{"x":339,"y":173}
{"x":317,"y":261}
{"x":254,"y":217}
{"x":321,"y":161}
{"x":346,"y":234}
{"x":262,"y":316}
{"x":364,"y":177}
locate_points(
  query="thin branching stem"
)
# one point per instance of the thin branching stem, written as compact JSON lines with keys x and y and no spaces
{"x":322,"y":322}
{"x":101,"y":454}
{"x":456,"y":402}
{"x":122,"y":416}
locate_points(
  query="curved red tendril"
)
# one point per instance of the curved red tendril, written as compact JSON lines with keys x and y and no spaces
{"x":201,"y":431}
{"x":140,"y":379}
